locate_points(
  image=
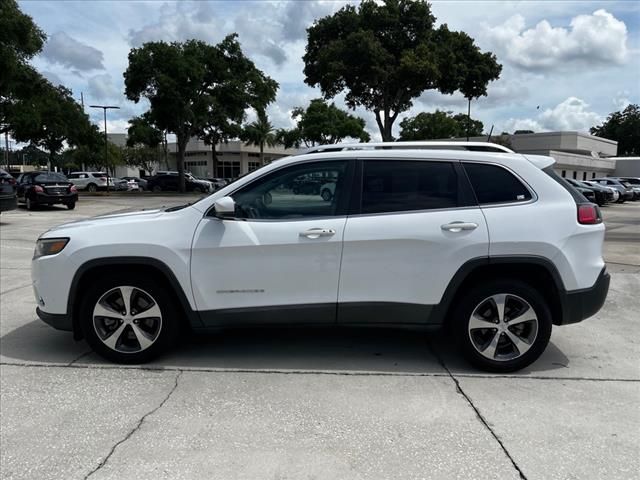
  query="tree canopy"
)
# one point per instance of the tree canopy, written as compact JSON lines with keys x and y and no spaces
{"x":322,"y":123}
{"x":624,"y":128}
{"x":186,"y":83}
{"x":439,"y":124}
{"x":384,"y":55}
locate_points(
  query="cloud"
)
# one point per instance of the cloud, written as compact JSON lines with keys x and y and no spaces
{"x":571,"y":114}
{"x":70,"y":53}
{"x":102,"y":87}
{"x":596,"y":39}
{"x":52,"y":77}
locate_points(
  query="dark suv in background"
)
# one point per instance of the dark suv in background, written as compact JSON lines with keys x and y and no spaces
{"x":163,"y":183}
{"x":7,"y":192}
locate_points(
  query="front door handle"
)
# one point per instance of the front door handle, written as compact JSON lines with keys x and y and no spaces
{"x":459,"y":226}
{"x":318,"y":232}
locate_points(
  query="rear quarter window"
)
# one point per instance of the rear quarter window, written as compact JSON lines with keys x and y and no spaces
{"x":577,"y":196}
{"x":495,"y":184}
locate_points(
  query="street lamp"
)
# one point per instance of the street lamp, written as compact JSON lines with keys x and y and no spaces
{"x":106,"y":146}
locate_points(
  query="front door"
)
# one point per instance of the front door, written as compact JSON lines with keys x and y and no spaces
{"x":278,"y":261}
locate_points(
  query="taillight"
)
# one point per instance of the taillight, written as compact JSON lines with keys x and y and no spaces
{"x":73,"y":189}
{"x":589,"y":214}
{"x":38,"y":189}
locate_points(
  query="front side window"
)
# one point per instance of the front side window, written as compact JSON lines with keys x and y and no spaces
{"x":298,"y":191}
{"x":399,"y":185}
{"x":494,"y":184}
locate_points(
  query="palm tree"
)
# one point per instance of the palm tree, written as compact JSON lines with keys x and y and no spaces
{"x":260,"y":133}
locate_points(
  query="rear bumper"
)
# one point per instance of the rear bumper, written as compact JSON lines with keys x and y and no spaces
{"x":578,"y":305}
{"x":8,"y":203}
{"x":44,"y":199}
{"x":57,"y":321}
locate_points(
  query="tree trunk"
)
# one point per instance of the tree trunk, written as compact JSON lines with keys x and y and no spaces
{"x":261,"y":154}
{"x":182,"y":146}
{"x":386,"y":126}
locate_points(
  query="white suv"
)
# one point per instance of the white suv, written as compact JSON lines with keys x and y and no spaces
{"x":90,"y":181}
{"x":473,"y":236}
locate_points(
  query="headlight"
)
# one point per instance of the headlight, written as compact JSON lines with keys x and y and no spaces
{"x":49,"y":246}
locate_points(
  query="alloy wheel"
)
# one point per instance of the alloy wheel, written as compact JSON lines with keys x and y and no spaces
{"x":503,"y":327}
{"x":127,"y":319}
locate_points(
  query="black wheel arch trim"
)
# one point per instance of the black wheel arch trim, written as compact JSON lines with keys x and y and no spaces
{"x":440,"y":311}
{"x":192,"y":315}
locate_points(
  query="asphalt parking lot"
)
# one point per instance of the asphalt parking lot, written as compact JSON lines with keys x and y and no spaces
{"x":316,"y":404}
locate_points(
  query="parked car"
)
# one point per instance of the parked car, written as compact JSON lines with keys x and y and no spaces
{"x":46,"y":188}
{"x":491,"y":243}
{"x":8,"y":199}
{"x":205,"y":185}
{"x":595,"y":195}
{"x":162,"y":183}
{"x":634,"y":183}
{"x":218,"y":183}
{"x":141,"y":182}
{"x":612,"y":194}
{"x":91,"y":181}
{"x":626,"y":192}
{"x":327,"y":191}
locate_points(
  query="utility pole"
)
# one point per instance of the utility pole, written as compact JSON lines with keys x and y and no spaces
{"x":6,"y":149}
{"x":106,"y":142}
{"x":468,"y":118}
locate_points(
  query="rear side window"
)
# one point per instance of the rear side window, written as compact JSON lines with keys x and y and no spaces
{"x":577,"y":196}
{"x":494,"y":184}
{"x":395,"y":186}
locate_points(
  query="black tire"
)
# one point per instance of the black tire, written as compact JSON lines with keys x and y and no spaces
{"x":92,"y":187}
{"x":197,"y":190}
{"x":474,"y":297}
{"x":157,"y":188}
{"x":326,"y":195}
{"x":71,"y":205}
{"x":168,"y":333}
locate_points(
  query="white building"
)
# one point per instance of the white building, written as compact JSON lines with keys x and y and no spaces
{"x":578,"y":155}
{"x":233,"y":159}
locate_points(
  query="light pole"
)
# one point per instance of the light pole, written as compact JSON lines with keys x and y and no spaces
{"x":106,"y":145}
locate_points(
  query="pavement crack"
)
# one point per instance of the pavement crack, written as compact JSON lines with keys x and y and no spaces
{"x":15,"y":288}
{"x":135,"y":429}
{"x":478,"y":413}
{"x":82,"y":355}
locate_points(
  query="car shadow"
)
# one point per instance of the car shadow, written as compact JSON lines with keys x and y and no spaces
{"x":332,"y":350}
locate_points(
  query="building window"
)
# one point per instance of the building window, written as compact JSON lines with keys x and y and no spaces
{"x":584,"y":175}
{"x":575,"y":174}
{"x":253,"y":166}
{"x":228,"y":169}
{"x":254,"y":154}
{"x":564,"y":173}
{"x":593,"y":175}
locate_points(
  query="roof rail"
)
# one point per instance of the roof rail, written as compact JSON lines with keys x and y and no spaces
{"x":470,"y":146}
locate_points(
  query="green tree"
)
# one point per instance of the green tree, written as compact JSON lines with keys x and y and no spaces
{"x":431,"y":126}
{"x":185,"y":81}
{"x":20,"y":40}
{"x":322,"y":123}
{"x":49,"y":119}
{"x":143,"y":139}
{"x":624,"y":128}
{"x":384,"y":55}
{"x":260,"y":133}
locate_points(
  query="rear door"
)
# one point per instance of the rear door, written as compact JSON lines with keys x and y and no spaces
{"x":416,"y":223}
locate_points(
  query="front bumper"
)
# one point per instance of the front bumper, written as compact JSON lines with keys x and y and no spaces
{"x":57,"y":321}
{"x":578,"y":305}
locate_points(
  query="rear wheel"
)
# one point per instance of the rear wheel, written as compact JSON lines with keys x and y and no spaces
{"x":502,"y":326}
{"x":129,"y":318}
{"x":197,"y":190}
{"x":326,"y":195}
{"x":157,"y":188}
{"x":71,"y":205}
{"x":92,"y":187}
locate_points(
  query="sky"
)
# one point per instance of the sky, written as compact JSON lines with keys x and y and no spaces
{"x":566,"y":64}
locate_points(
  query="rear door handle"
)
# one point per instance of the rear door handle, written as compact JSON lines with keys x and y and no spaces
{"x":459,"y":226}
{"x":318,"y":232}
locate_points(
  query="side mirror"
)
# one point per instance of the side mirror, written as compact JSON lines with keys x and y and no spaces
{"x":225,"y":207}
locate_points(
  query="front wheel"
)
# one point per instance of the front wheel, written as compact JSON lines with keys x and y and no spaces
{"x":71,"y":205}
{"x":129,"y":318}
{"x":326,"y":195}
{"x":502,"y":326}
{"x":92,"y":188}
{"x":157,"y":188}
